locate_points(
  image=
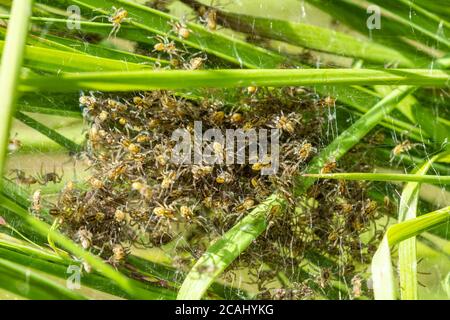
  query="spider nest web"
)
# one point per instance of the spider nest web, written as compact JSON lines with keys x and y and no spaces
{"x":137,"y":197}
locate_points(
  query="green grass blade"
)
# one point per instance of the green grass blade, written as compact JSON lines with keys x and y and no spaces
{"x":173,"y":276}
{"x":152,"y":22}
{"x":49,"y":262}
{"x":225,"y":250}
{"x":50,"y":133}
{"x":354,"y":16}
{"x":97,"y":50}
{"x":61,"y":104}
{"x":168,"y":79}
{"x":37,"y":41}
{"x":350,"y":137}
{"x":11,"y":64}
{"x":422,"y":28}
{"x":382,"y":272}
{"x":424,"y":118}
{"x":424,"y":12}
{"x":59,"y":270}
{"x":58,"y":25}
{"x":441,"y":8}
{"x":407,"y":256}
{"x":446,"y":285}
{"x":42,"y":266}
{"x":33,"y":284}
{"x":384,"y":155}
{"x":366,"y":98}
{"x":444,"y":62}
{"x":56,"y":61}
{"x":432,"y":179}
{"x":309,"y":36}
{"x":401,"y":127}
{"x":130,"y":286}
{"x":27,"y":249}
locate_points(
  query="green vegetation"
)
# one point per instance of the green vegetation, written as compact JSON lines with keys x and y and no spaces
{"x":88,"y":106}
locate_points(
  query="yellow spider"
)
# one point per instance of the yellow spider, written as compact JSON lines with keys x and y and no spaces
{"x":116,"y":18}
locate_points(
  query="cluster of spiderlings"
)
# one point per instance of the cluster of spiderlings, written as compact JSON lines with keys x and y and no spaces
{"x":138,"y":196}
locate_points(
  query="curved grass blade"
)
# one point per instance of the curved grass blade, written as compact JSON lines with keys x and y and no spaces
{"x":11,"y":64}
{"x":59,"y":270}
{"x":132,"y":287}
{"x":53,"y":264}
{"x":426,"y":118}
{"x":402,"y":128}
{"x":353,"y":15}
{"x":446,"y":285}
{"x":168,"y":79}
{"x":31,"y":284}
{"x":385,"y":155}
{"x":443,"y":62}
{"x":432,"y":179}
{"x":423,"y":28}
{"x":36,"y":41}
{"x":62,"y":104}
{"x":153,"y":22}
{"x":441,"y":8}
{"x":88,"y":27}
{"x":58,"y":43}
{"x":308,"y":36}
{"x":226,"y":249}
{"x":24,"y":248}
{"x":407,"y":259}
{"x":382,"y":272}
{"x":425,"y":13}
{"x":57,"y":61}
{"x":50,"y":133}
{"x":55,"y":270}
{"x":173,"y":276}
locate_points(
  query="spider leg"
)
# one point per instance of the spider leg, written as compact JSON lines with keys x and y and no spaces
{"x":112,"y":32}
{"x":117,"y":30}
{"x":97,"y":17}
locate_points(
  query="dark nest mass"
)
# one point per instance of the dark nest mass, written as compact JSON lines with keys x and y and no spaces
{"x":137,"y":196}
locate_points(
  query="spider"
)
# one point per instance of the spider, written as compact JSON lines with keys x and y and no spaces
{"x":166,"y":46}
{"x":21,"y":177}
{"x":44,"y":178}
{"x":116,"y":18}
{"x":181,"y":29}
{"x":402,"y":147}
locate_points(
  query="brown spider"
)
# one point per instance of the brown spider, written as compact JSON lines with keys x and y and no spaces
{"x":43,"y":178}
{"x":21,"y":177}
